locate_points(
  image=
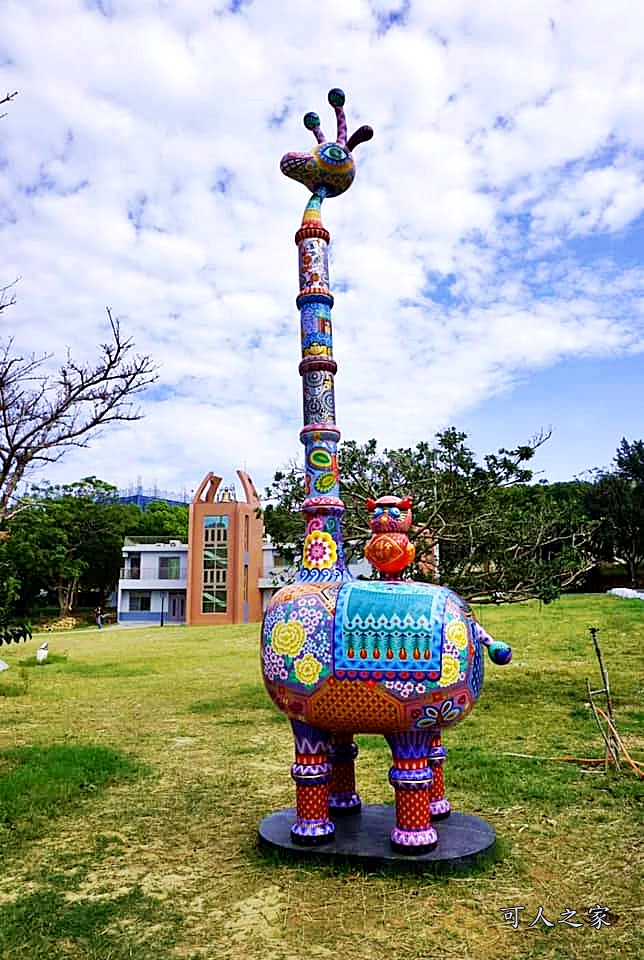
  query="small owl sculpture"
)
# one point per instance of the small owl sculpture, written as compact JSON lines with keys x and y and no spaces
{"x":389,"y":550}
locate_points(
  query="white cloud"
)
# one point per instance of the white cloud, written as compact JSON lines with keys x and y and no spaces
{"x":140,"y":169}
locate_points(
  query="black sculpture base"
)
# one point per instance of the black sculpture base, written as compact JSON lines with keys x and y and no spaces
{"x":463,"y":841}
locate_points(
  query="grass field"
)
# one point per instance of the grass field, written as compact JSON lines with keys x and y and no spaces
{"x":136,"y":765}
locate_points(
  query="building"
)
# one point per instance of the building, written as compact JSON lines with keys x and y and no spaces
{"x":144,"y":497}
{"x":275,"y":571}
{"x":224,"y":554}
{"x":152,"y":585}
{"x":226,"y":573}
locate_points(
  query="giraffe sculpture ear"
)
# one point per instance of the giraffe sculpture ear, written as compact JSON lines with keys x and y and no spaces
{"x":361,"y":135}
{"x":370,"y":504}
{"x":405,"y":503}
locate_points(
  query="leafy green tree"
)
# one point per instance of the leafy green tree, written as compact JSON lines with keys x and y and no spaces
{"x":9,"y":587}
{"x":65,"y":538}
{"x":616,"y":501}
{"x":533,"y":540}
{"x":66,"y":541}
{"x":629,"y":460}
{"x":160,"y":519}
{"x":499,"y":539}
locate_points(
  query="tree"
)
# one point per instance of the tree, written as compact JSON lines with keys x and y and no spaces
{"x":629,"y":460}
{"x":7,"y":97}
{"x":66,"y":541}
{"x":533,"y":540}
{"x":499,"y":539}
{"x":43,"y":415}
{"x":160,"y":519}
{"x":68,"y":538}
{"x":7,"y":299}
{"x":616,"y":501}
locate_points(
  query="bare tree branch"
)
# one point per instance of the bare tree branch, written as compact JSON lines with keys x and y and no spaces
{"x":6,"y":99}
{"x":7,"y":299}
{"x":42,"y":414}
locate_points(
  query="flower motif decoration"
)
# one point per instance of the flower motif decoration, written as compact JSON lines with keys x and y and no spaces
{"x":450,"y":668}
{"x":320,"y":550}
{"x":457,"y":633}
{"x":288,"y":638}
{"x":405,"y":689}
{"x":298,"y":649}
{"x":433,"y":716}
{"x":307,"y":670}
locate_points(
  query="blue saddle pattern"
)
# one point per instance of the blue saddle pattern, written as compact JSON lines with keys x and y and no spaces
{"x":389,"y":628}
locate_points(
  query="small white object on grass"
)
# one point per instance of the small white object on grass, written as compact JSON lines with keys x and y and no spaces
{"x":3,"y":666}
{"x":627,"y":594}
{"x":42,"y":652}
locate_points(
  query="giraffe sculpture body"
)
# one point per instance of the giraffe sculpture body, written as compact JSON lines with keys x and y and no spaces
{"x":340,"y":657}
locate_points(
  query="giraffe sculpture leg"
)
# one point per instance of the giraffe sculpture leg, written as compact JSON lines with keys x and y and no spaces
{"x":438,"y":802}
{"x":311,"y":773}
{"x":343,"y":798}
{"x":411,"y":777}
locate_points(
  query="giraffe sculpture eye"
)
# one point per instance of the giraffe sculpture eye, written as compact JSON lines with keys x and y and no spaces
{"x":333,"y":153}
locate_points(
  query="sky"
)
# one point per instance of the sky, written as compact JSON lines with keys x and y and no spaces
{"x":487,"y":263}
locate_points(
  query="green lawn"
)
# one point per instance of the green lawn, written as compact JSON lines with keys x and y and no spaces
{"x":136,"y":766}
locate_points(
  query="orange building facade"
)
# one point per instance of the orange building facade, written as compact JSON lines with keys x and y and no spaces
{"x":225,"y":538}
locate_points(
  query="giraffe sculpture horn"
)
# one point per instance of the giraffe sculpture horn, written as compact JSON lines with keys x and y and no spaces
{"x":312,"y":123}
{"x":361,"y":135}
{"x":336,"y":99}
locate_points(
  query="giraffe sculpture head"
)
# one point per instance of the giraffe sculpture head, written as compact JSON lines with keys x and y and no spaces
{"x":329,"y":169}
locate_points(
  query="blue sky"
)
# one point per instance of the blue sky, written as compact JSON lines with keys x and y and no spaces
{"x":487,"y":261}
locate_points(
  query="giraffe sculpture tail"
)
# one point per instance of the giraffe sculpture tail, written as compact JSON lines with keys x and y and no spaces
{"x":498,"y":652}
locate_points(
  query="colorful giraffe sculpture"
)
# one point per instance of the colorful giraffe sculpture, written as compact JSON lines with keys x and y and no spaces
{"x":339,"y":656}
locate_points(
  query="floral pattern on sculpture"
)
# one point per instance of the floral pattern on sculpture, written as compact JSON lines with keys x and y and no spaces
{"x":457,"y":634}
{"x":288,"y":638}
{"x":450,"y":669}
{"x":433,"y":716}
{"x":320,"y":550}
{"x":307,"y":670}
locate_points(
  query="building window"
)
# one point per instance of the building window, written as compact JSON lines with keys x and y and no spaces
{"x":245,"y":584}
{"x":169,"y":568}
{"x":133,"y":566}
{"x":246,"y":531}
{"x":214,"y":598}
{"x":140,"y":600}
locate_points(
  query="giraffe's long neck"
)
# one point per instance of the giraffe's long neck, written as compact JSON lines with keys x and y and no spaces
{"x":323,"y":554}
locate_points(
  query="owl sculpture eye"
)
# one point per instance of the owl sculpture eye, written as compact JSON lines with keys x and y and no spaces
{"x":378,"y":512}
{"x":394,"y":512}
